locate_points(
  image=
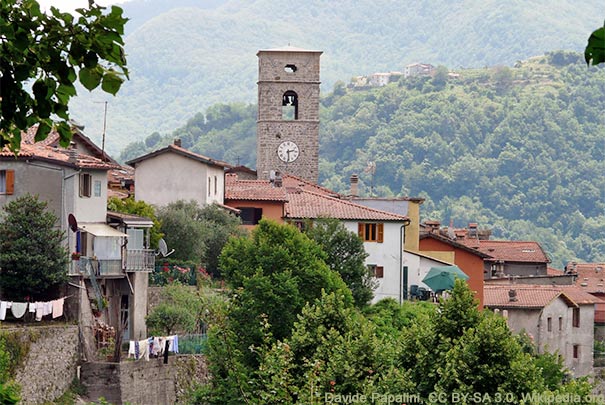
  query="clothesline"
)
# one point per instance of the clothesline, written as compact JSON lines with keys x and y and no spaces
{"x":152,"y":346}
{"x":41,"y":309}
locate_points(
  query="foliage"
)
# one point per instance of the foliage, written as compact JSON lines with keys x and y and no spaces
{"x":51,"y":52}
{"x":180,"y":310}
{"x":198,"y":234}
{"x":595,"y":49}
{"x":345,"y":255}
{"x":33,"y":258}
{"x":478,"y":152}
{"x":141,"y":208}
{"x":391,"y":318}
{"x":169,"y":271}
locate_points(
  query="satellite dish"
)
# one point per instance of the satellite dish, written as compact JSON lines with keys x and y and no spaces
{"x":164,"y":249}
{"x":73,"y":223}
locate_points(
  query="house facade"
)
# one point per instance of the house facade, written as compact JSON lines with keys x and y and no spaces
{"x":174,"y":173}
{"x":590,"y":277}
{"x":558,"y":318}
{"x":75,"y":187}
{"x":294,"y":200}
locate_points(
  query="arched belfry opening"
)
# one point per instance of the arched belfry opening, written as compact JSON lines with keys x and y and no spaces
{"x":290,"y":106}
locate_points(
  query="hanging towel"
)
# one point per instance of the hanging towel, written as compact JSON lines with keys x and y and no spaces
{"x":18,"y":309}
{"x":39,"y":311}
{"x":48,"y":308}
{"x":131,"y":350}
{"x":32,"y":307}
{"x":173,"y":343}
{"x":3,"y":306}
{"x":144,"y":349}
{"x":58,"y":307}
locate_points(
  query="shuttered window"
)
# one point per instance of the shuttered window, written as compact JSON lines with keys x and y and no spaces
{"x":7,"y":181}
{"x":371,"y":232}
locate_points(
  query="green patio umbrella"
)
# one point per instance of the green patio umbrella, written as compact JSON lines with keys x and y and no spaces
{"x":441,"y":278}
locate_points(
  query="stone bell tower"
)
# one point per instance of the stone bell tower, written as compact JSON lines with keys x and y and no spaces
{"x":288,"y":112}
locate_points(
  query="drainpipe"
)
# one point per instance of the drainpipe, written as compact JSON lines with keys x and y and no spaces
{"x":406,"y":222}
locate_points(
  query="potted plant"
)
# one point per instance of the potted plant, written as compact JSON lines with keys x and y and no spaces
{"x":76,"y":256}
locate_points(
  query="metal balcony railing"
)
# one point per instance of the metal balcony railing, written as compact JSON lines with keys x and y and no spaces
{"x":140,"y":260}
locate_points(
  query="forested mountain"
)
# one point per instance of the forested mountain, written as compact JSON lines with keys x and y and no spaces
{"x":186,"y":55}
{"x":520,"y":150}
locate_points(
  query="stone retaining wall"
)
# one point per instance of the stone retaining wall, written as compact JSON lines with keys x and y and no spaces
{"x":50,"y":362}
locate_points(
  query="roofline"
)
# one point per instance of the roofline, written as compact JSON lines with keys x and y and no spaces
{"x":455,"y":244}
{"x":59,"y":162}
{"x":426,"y":256}
{"x":182,"y":152}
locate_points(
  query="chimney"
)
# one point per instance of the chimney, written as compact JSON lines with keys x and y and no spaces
{"x":72,"y":153}
{"x":177,"y":142}
{"x":278,"y":180}
{"x":472,"y":230}
{"x":512,"y":295}
{"x":354,"y":185}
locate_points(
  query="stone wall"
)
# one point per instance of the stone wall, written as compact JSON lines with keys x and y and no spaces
{"x":144,"y":382}
{"x":50,"y":362}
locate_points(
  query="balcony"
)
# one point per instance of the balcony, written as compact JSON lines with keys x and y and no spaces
{"x":140,"y":260}
{"x":101,"y":268}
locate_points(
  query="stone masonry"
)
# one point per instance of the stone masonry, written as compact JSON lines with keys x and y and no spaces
{"x":280,"y":71}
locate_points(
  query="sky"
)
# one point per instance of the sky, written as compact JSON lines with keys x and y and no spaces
{"x":71,"y":5}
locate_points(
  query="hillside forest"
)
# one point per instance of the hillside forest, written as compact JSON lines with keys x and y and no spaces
{"x":518,"y":150}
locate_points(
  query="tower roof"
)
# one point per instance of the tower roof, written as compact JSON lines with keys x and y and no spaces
{"x":289,"y":48}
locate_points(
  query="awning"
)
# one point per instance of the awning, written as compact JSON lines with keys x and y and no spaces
{"x":98,"y":229}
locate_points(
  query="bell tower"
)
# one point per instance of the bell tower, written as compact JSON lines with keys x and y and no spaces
{"x":287,"y":138}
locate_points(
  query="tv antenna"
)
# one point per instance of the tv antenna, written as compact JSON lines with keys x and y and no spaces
{"x":371,"y":168}
{"x":104,"y":128}
{"x":163,"y":249}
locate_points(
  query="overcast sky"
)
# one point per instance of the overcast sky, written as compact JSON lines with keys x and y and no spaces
{"x":71,"y":5}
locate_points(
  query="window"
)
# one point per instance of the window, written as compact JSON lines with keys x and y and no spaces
{"x":250,"y":215}
{"x":215,"y":185}
{"x":376,"y":271}
{"x":97,"y":188}
{"x":560,"y":323}
{"x":209,"y":185}
{"x":576,"y":318}
{"x":85,"y":184}
{"x":290,"y":68}
{"x":7,"y":181}
{"x":549,"y":324}
{"x":576,"y":351}
{"x":289,"y":106}
{"x":371,"y":232}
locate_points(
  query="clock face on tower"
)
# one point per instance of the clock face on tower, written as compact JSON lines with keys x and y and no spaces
{"x":288,"y":151}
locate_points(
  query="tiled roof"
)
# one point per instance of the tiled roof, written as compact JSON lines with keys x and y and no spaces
{"x":453,"y":243}
{"x":253,"y":190}
{"x":58,"y":156}
{"x":551,"y":271}
{"x":303,"y":199}
{"x":303,"y":203}
{"x":179,"y":151}
{"x":52,"y":139}
{"x":509,"y":251}
{"x":591,"y":277}
{"x":533,"y":296}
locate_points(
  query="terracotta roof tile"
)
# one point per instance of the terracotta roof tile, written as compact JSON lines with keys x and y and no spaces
{"x":533,"y":296}
{"x":303,"y":203}
{"x":591,"y":277}
{"x":56,"y":155}
{"x":253,"y":190}
{"x":509,"y":251}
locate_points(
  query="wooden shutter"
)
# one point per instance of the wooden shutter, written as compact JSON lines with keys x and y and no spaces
{"x":10,"y":182}
{"x":379,"y":272}
{"x":380,"y":232}
{"x":361,"y":230}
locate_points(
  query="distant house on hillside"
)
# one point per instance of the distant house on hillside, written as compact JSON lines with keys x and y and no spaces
{"x":590,"y":277}
{"x":418,"y":69}
{"x":174,"y":173}
{"x":558,"y":318}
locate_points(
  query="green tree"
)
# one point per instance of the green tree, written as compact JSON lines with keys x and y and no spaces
{"x":141,"y":208}
{"x":595,"y":49}
{"x":197,"y":233}
{"x":180,"y":310}
{"x":51,"y":52}
{"x":33,"y":257}
{"x":345,"y":255}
